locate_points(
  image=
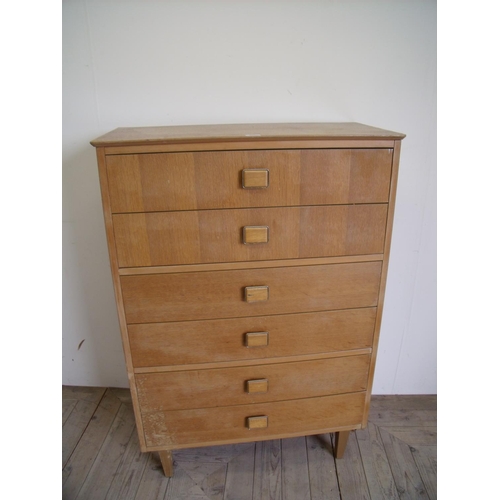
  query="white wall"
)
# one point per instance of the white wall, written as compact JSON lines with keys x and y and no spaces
{"x":142,"y":63}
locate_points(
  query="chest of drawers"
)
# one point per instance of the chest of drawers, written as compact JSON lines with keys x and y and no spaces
{"x":249,"y":266}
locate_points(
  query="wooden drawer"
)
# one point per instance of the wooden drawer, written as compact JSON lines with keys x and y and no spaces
{"x":167,"y":238}
{"x":221,"y":294}
{"x":191,"y":342}
{"x":205,"y":180}
{"x":251,"y":384}
{"x":202,"y":427}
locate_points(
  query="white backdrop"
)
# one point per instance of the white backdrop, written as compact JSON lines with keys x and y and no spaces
{"x":144,"y":63}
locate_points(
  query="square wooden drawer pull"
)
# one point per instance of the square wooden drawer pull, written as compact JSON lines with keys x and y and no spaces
{"x":256,"y":386}
{"x":257,"y":339}
{"x":256,"y":293}
{"x":255,"y":234}
{"x":255,"y":178}
{"x":259,"y":422}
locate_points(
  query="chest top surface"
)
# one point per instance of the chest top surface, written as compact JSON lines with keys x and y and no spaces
{"x":242,"y":132}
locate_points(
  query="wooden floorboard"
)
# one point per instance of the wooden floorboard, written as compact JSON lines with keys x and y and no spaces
{"x":67,"y":408}
{"x":322,"y":471}
{"x":84,"y":454}
{"x":404,"y":469}
{"x":353,"y":483}
{"x":127,"y":478}
{"x":375,"y":464}
{"x":393,"y":458}
{"x":404,"y":402}
{"x":100,"y":477}
{"x":79,"y":405}
{"x":209,"y":477}
{"x":425,"y":459}
{"x":153,"y":484}
{"x":239,"y":478}
{"x":182,"y":487}
{"x":267,"y":471}
{"x":294,"y":469}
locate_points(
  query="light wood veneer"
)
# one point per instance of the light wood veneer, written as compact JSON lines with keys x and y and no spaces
{"x":221,"y":294}
{"x":221,"y":340}
{"x":192,"y":237}
{"x":204,"y":426}
{"x":208,"y":180}
{"x":228,"y":386}
{"x":249,"y":265}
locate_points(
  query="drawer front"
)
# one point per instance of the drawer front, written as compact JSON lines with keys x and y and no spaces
{"x":201,"y":427}
{"x":259,"y":337}
{"x":221,"y":294}
{"x":251,"y":384}
{"x":167,"y":238}
{"x":206,"y":180}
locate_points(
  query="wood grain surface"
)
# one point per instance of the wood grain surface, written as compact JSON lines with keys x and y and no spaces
{"x":220,"y":294}
{"x":242,"y":132}
{"x":228,"y":386}
{"x":208,"y":180}
{"x":169,"y":238}
{"x":228,"y":424}
{"x":186,"y":342}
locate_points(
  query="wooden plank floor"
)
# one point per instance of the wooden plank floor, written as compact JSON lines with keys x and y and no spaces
{"x":393,"y":458}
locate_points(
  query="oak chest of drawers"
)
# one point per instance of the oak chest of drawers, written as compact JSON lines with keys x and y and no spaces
{"x":249,"y":266}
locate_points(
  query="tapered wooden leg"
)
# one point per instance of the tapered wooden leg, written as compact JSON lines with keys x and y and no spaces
{"x":340,"y":443}
{"x":166,"y":462}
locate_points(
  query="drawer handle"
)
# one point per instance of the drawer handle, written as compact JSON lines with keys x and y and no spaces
{"x":259,"y":422}
{"x":255,"y":234}
{"x":257,"y":339}
{"x":255,"y":178}
{"x":256,"y":293}
{"x":257,"y":386}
